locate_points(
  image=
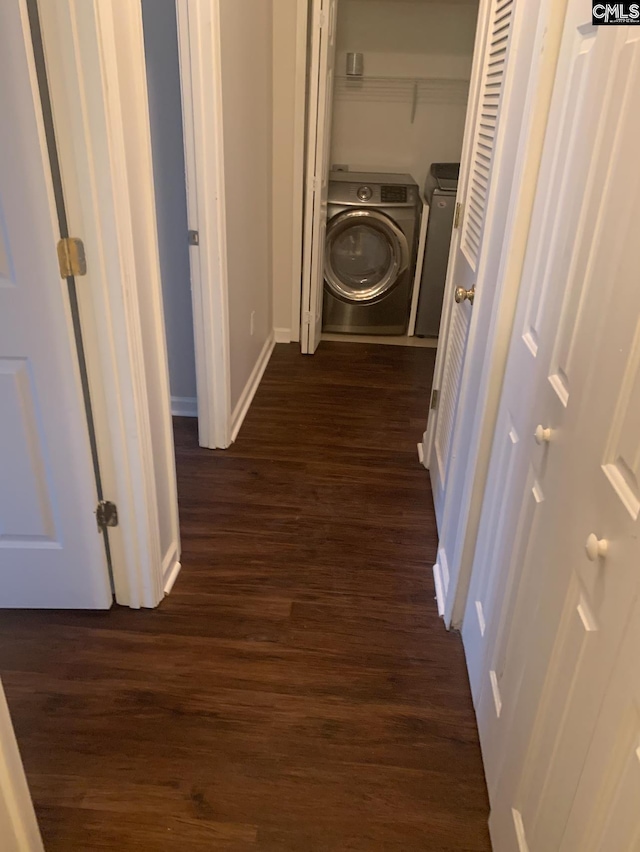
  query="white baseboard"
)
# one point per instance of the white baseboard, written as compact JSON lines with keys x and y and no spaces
{"x":437,"y":579}
{"x":170,"y":568}
{"x":382,"y":339}
{"x":184,"y":406}
{"x":246,"y":398}
{"x":423,"y":449}
{"x":282,"y":335}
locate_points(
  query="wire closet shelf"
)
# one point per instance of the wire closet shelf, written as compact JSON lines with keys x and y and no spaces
{"x":410,"y":90}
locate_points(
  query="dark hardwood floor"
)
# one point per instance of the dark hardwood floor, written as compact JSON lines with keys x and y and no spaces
{"x":297,"y":690}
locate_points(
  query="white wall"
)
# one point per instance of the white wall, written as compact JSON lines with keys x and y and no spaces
{"x":246,"y":57}
{"x":165,"y":111}
{"x":404,"y":38}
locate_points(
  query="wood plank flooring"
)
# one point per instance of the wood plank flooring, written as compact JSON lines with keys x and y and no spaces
{"x":297,"y":690}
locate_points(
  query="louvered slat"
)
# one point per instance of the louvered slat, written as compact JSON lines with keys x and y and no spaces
{"x":491,"y":88}
{"x":456,"y":346}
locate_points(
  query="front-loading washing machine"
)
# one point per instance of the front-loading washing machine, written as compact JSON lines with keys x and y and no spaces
{"x":370,"y":252}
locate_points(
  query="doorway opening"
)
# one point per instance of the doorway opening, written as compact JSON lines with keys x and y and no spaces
{"x":388,"y":88}
{"x":165,"y":114}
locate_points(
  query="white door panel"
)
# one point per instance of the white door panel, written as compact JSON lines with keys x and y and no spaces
{"x":27,"y":508}
{"x":475,"y":182}
{"x":490,"y":59}
{"x":320,"y":100}
{"x":527,"y":401}
{"x":543,"y":621}
{"x":51,"y":553}
{"x":596,"y":469}
{"x":502,"y":131}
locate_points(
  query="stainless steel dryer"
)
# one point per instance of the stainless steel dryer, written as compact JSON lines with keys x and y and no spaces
{"x":370,"y":252}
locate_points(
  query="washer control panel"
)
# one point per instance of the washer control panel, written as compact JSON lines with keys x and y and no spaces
{"x":372,"y":190}
{"x":393,"y":194}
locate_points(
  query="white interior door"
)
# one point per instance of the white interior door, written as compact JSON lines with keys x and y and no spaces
{"x":543,"y":620}
{"x":490,"y":64}
{"x":516,"y":484}
{"x":320,"y":106}
{"x":51,"y":553}
{"x":589,"y":589}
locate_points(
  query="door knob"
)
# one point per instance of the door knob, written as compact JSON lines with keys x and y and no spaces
{"x":596,"y":547}
{"x":542,"y":435}
{"x":461,"y":294}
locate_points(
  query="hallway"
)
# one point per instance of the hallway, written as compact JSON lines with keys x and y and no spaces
{"x":297,"y":691}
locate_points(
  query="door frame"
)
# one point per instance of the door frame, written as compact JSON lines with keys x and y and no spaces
{"x":202,"y":118}
{"x":304,"y":20}
{"x":85,"y":74}
{"x":317,"y":154}
{"x":201,"y":82}
{"x":299,"y":164}
{"x":18,"y":824}
{"x":492,"y":319}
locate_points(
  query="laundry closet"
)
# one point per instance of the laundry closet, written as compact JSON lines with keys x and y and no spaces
{"x":392,"y":89}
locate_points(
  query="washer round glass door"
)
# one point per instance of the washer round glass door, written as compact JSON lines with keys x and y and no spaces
{"x":365,"y":255}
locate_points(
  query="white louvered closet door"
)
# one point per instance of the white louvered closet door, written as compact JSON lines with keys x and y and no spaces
{"x":487,"y":85}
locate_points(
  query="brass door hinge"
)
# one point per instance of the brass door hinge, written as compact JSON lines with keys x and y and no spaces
{"x":457,"y":218}
{"x":106,"y":515}
{"x":71,"y":258}
{"x":434,"y":398}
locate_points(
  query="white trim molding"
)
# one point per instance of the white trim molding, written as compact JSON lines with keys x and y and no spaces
{"x":105,"y":161}
{"x":170,"y":569}
{"x":201,"y":81}
{"x":18,"y":826}
{"x":253,"y":383}
{"x":300,"y":99}
{"x":184,"y":406}
{"x":441,"y":581}
{"x":423,"y":447}
{"x":437,"y":582}
{"x":134,"y":101}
